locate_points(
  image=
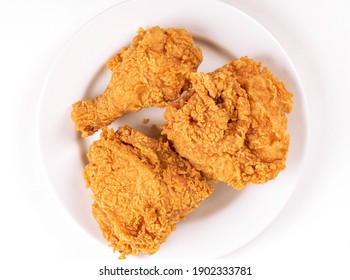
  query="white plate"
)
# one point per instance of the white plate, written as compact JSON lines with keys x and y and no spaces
{"x":228,"y":219}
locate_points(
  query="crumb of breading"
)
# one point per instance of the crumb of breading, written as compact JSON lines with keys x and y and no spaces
{"x":154,"y":127}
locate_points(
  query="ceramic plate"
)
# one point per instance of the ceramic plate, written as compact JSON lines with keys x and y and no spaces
{"x":229,"y":218}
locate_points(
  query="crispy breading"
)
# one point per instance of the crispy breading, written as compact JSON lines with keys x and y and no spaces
{"x":232,"y":123}
{"x":141,"y":189}
{"x":151,"y":71}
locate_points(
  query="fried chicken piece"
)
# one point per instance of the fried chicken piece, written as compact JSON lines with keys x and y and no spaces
{"x":232,"y":123}
{"x":151,"y":71}
{"x":141,"y":188}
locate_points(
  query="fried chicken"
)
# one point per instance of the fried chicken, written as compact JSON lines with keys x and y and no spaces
{"x":151,"y":71}
{"x":141,"y":189}
{"x":232,"y":125}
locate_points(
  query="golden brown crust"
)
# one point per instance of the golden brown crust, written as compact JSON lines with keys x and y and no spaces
{"x":141,"y":188}
{"x":150,"y":72}
{"x":232,"y":125}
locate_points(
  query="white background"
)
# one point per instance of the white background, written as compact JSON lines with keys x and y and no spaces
{"x":310,"y":237}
